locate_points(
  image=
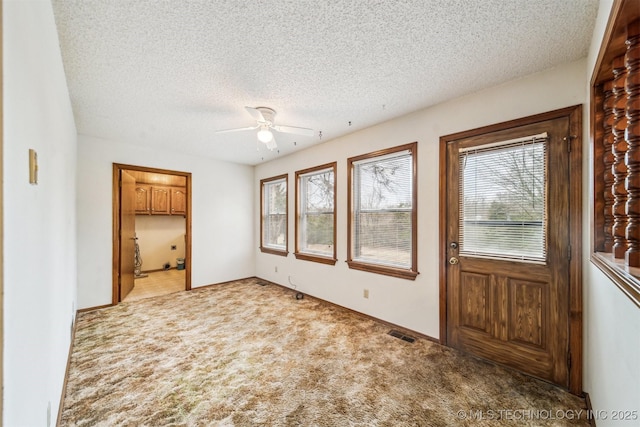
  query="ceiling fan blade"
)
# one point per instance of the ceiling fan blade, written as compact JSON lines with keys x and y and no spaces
{"x":294,"y":129}
{"x":237,"y":129}
{"x":255,"y":113}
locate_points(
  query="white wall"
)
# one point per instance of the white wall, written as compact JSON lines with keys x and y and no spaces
{"x":612,"y":321}
{"x":222,"y":222}
{"x":39,"y":221}
{"x":156,"y":234}
{"x":412,"y":304}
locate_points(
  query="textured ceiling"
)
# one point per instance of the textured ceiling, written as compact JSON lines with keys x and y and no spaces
{"x":168,"y":74}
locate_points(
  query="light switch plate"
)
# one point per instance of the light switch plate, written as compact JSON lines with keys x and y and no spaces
{"x":33,"y":167}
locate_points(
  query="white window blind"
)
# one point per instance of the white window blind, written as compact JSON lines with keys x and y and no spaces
{"x":383,"y":210}
{"x":275,"y":214}
{"x":503,"y":203}
{"x":316,"y":221}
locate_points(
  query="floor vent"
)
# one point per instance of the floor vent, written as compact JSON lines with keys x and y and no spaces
{"x":402,"y":336}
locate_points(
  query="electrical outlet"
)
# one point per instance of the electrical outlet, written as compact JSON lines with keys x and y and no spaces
{"x":276,"y":268}
{"x":366,"y":293}
{"x":174,"y":247}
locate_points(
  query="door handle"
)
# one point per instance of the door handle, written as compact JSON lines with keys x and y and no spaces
{"x":453,"y":260}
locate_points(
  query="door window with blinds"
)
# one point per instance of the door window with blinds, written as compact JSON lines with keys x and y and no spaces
{"x":315,"y":213}
{"x":382,"y":219}
{"x":503,"y":203}
{"x":273,"y":222}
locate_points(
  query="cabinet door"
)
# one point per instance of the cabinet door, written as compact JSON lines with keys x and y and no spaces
{"x":159,"y":201}
{"x":178,"y":201}
{"x":143,"y":199}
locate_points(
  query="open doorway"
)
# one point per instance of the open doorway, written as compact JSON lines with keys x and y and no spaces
{"x":151,"y":232}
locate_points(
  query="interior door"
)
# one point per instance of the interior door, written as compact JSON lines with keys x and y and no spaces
{"x":508,"y":247}
{"x":127,"y":232}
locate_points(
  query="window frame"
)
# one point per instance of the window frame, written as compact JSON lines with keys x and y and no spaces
{"x":308,"y":256}
{"x":402,"y":273}
{"x":626,"y":278}
{"x":263,"y":247}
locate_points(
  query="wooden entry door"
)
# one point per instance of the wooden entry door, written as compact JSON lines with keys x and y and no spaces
{"x":508,"y":247}
{"x":127,"y":233}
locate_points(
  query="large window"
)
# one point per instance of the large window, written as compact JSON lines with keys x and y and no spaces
{"x":315,"y":214}
{"x":382,"y":219}
{"x":273,"y":226}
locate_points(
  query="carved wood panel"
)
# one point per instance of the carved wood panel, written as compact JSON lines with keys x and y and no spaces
{"x":143,"y":199}
{"x":159,"y":201}
{"x":527,"y":318}
{"x":475,"y":305}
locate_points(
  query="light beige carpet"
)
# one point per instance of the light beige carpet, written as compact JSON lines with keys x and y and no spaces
{"x":241,"y":354}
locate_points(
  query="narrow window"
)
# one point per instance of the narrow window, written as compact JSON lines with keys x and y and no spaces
{"x":273,"y":226}
{"x":382,"y":219}
{"x":315,"y":213}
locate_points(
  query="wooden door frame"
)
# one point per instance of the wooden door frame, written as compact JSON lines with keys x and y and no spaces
{"x":574,"y":114}
{"x":117,"y":167}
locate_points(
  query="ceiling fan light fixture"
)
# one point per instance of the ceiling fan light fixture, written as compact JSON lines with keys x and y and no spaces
{"x":265,"y":135}
{"x":271,"y":145}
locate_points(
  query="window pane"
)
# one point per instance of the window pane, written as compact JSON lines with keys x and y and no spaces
{"x":317,"y":213}
{"x":275,"y":214}
{"x":383,"y":211}
{"x":503,"y":201}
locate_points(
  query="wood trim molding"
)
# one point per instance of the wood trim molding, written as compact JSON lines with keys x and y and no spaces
{"x":574,"y":114}
{"x":623,"y":12}
{"x":98,"y":307}
{"x":117,"y":167}
{"x":575,"y":264}
{"x":442,"y":236}
{"x":1,"y":219}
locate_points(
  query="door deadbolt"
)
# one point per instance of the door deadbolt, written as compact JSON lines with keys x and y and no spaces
{"x":453,"y":245}
{"x":453,"y":260}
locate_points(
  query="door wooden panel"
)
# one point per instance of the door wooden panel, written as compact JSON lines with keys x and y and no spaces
{"x":512,"y":311}
{"x":475,"y":301}
{"x":127,"y":233}
{"x":527,"y":317}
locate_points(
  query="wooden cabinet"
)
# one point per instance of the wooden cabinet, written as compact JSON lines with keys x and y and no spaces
{"x":160,"y":200}
{"x":143,"y":199}
{"x":178,"y":201}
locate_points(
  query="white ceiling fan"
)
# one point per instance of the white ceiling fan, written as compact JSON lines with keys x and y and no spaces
{"x":264,"y":117}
